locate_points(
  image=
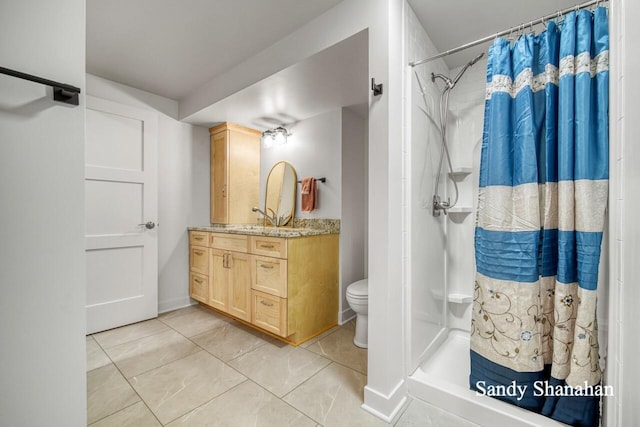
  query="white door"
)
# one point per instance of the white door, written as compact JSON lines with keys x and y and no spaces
{"x":121,"y":214}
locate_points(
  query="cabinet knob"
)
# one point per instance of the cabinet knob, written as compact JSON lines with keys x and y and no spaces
{"x":268,"y":304}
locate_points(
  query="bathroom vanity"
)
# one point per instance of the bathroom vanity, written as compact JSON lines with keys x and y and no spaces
{"x":283,"y":281}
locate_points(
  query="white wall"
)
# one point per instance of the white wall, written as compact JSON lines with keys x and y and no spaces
{"x":314,"y":149}
{"x":354,"y":224}
{"x":42,"y":272}
{"x":464,"y":127}
{"x":427,"y":234}
{"x":624,"y":347}
{"x":183,"y":185}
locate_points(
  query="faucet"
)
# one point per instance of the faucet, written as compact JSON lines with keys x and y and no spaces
{"x":273,"y":219}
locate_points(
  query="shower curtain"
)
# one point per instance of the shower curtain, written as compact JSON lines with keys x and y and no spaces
{"x":541,"y":212}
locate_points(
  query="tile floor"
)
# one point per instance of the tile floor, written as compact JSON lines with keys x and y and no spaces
{"x":194,"y":367}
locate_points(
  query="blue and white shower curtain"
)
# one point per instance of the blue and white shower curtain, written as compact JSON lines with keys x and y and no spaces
{"x":541,"y":212}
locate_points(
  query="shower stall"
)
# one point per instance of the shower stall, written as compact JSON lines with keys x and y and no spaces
{"x":445,"y":110}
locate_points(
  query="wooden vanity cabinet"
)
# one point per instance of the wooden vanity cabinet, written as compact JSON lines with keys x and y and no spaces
{"x":235,"y":177}
{"x":230,"y":281}
{"x":199,"y":266}
{"x":285,"y":286}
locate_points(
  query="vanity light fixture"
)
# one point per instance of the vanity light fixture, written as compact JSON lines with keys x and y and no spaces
{"x":277,"y":136}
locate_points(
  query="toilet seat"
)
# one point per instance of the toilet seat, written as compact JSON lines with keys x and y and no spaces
{"x":359,"y":289}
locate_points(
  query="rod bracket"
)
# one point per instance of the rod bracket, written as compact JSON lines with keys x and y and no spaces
{"x":65,"y":96}
{"x":376,"y":88}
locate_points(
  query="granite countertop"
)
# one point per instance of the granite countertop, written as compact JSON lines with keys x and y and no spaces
{"x":308,"y":229}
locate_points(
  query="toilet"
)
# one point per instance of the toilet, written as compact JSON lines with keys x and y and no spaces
{"x":358,"y":299}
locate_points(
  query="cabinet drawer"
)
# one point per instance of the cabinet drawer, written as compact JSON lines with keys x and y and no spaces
{"x":199,"y":259}
{"x":269,"y":275}
{"x":269,"y":246}
{"x":269,"y":313}
{"x":229,"y":242}
{"x":198,"y":238}
{"x":199,"y":287}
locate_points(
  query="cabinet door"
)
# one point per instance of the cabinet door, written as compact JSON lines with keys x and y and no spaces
{"x":269,"y":313}
{"x":219,"y":177}
{"x":199,"y":259}
{"x":198,"y":238}
{"x":199,"y":287}
{"x":239,"y":285}
{"x":218,"y":280}
{"x":269,"y":275}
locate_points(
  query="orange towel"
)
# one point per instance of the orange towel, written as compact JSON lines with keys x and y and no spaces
{"x":309,"y":194}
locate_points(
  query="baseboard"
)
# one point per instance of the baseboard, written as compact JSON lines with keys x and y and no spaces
{"x":174,"y":304}
{"x":386,"y":407}
{"x":346,"y":315}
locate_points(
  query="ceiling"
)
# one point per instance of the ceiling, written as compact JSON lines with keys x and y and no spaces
{"x":172,"y":48}
{"x":453,"y":23}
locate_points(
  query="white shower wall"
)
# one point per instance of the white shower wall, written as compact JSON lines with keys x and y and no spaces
{"x":426,"y":233}
{"x":464,"y":130}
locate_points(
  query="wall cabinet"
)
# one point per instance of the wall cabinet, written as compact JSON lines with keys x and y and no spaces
{"x":235,"y":177}
{"x":287,"y":287}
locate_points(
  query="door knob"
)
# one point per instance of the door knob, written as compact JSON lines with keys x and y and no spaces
{"x":149,"y":225}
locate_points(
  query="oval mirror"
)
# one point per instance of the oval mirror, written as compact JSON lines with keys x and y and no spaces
{"x":280,"y":195}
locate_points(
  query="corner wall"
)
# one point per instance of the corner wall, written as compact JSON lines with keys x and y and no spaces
{"x":622,"y":370}
{"x":426,"y":237}
{"x":42,"y":269}
{"x":354,"y":224}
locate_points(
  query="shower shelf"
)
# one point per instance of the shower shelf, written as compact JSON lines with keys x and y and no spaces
{"x":460,"y":210}
{"x":460,"y":172}
{"x":453,"y":297}
{"x":459,"y":298}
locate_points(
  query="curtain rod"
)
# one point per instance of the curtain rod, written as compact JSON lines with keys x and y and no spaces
{"x":509,"y":31}
{"x":61,"y":92}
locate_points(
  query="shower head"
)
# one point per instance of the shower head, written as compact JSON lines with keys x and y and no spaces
{"x":476,"y":59}
{"x":469,"y":64}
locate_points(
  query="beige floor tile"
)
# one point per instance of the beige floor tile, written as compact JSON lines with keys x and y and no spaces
{"x":421,"y":414}
{"x":314,"y":340}
{"x":245,"y":405}
{"x":96,"y":357}
{"x":128,"y":333}
{"x":181,"y":386}
{"x":231,"y":340}
{"x":136,"y":415}
{"x":196,"y":321}
{"x":107,"y":393}
{"x":340,"y":348}
{"x":179,"y":312}
{"x":144,"y":354}
{"x":279,"y":367}
{"x":333,"y":397}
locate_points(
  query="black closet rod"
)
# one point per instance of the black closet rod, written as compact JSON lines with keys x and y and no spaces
{"x":61,"y":92}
